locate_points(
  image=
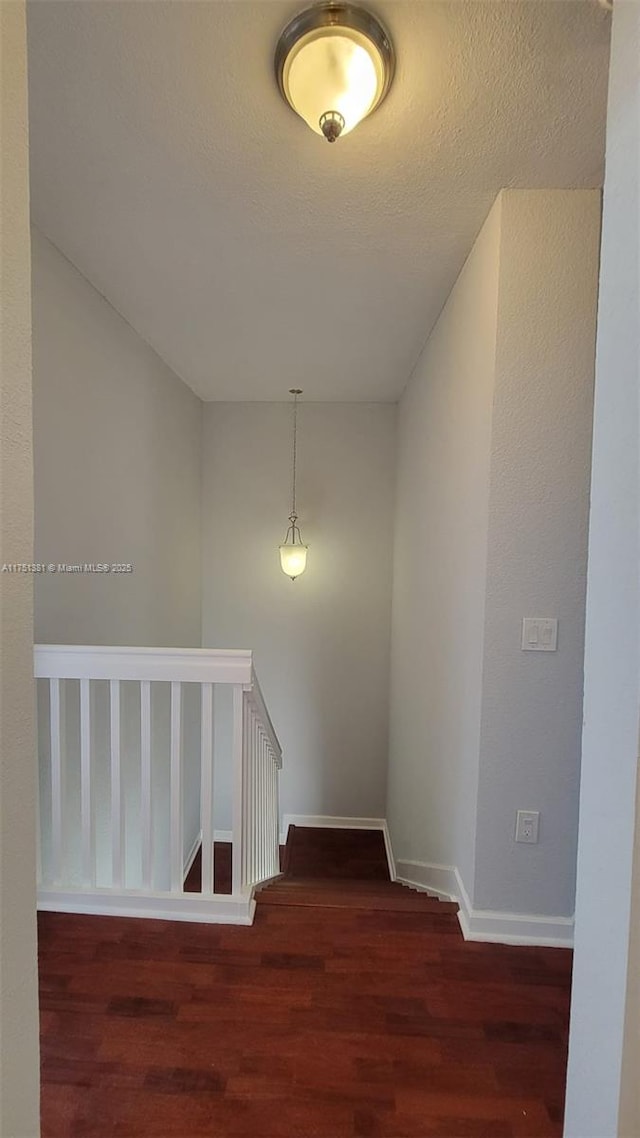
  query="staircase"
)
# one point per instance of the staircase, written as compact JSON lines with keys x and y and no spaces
{"x":344,"y":869}
{"x":128,"y":758}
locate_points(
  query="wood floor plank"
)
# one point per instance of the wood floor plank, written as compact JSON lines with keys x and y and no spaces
{"x":322,"y":1020}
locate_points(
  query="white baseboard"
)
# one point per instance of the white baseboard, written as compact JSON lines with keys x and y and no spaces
{"x":218,"y":909}
{"x":331,"y":822}
{"x":440,"y":880}
{"x":486,"y":924}
{"x":389,"y":851}
{"x":335,"y":822}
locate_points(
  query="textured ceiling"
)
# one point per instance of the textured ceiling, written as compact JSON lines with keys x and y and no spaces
{"x":255,"y":257}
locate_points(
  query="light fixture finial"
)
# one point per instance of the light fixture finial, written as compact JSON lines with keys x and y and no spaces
{"x":332,"y":124}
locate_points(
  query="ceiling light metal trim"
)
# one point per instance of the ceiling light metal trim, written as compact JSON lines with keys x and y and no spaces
{"x":336,"y":15}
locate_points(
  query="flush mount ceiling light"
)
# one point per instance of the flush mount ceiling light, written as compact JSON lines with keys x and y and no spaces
{"x":293,"y":551}
{"x":334,"y":66}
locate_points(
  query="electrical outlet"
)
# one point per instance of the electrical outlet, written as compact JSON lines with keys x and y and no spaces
{"x":527,"y":822}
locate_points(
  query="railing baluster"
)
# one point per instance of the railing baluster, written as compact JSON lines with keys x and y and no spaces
{"x":247,"y":824}
{"x":255,"y":800}
{"x":88,"y":861}
{"x":260,"y":811}
{"x":259,"y":805}
{"x":263,"y":810}
{"x":146,"y":785}
{"x":247,"y":817}
{"x":237,"y":767}
{"x":206,"y":787}
{"x":269,"y":824}
{"x":275,"y":849}
{"x":57,"y":780}
{"x":274,"y":809}
{"x":268,"y":852}
{"x":255,"y":810}
{"x":276,"y":806}
{"x":117,"y":811}
{"x":177,"y":843}
{"x":38,"y":833}
{"x":269,"y":820}
{"x":268,"y":817}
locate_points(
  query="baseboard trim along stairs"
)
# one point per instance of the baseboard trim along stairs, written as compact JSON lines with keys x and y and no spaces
{"x":444,"y":881}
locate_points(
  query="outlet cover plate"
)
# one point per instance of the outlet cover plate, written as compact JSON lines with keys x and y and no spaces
{"x":527,"y":824}
{"x":539,"y":634}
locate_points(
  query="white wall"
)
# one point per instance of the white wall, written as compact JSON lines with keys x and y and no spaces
{"x":117,"y":479}
{"x":491,"y":512}
{"x":117,"y":471}
{"x":321,"y":642}
{"x":19,"y":1066}
{"x":444,"y":438}
{"x":629,"y":1115}
{"x":537,"y":547}
{"x":602,"y":1096}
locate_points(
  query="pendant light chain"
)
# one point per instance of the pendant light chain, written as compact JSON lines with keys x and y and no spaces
{"x":295,"y":391}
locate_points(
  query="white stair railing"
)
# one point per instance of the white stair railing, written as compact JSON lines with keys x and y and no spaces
{"x":127,"y":781}
{"x":261,"y":760}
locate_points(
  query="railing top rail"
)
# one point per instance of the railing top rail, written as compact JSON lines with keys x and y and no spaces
{"x":258,"y":699}
{"x":188,"y":665}
{"x":125,"y":649}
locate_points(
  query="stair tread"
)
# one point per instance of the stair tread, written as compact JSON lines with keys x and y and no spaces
{"x":327,"y":893}
{"x":372,"y":904}
{"x":353,"y":885}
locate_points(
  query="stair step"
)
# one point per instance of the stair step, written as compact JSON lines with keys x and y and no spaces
{"x":353,"y":885}
{"x":337,"y":853}
{"x":352,"y":895}
{"x":392,"y":898}
{"x":345,"y":869}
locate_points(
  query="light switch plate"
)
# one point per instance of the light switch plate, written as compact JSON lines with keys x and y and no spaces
{"x":539,"y":634}
{"x":527,"y":823}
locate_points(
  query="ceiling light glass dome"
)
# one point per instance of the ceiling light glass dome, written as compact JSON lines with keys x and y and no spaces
{"x":334,"y":65}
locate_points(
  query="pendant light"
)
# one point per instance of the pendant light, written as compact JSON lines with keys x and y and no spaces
{"x":293,"y":551}
{"x":334,"y":65}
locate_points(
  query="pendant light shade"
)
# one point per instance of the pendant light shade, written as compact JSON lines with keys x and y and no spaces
{"x":293,"y":551}
{"x":293,"y":557}
{"x":334,"y":65}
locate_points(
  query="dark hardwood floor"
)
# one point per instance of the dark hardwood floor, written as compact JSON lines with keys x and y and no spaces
{"x":221,"y":870}
{"x":352,"y":1007}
